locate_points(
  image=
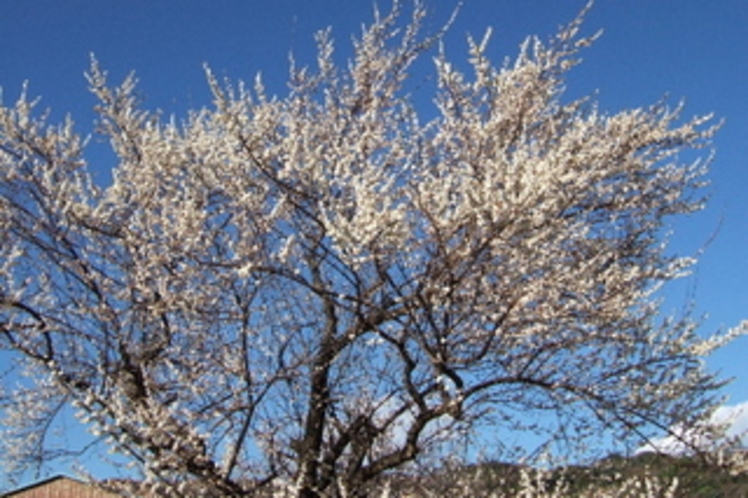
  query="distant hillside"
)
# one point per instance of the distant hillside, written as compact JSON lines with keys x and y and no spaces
{"x":612,"y":477}
{"x":697,"y":478}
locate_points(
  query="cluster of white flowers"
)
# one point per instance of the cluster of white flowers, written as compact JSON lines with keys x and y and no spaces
{"x":228,"y":308}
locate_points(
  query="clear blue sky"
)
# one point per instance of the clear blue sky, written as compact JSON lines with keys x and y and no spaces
{"x":689,"y":49}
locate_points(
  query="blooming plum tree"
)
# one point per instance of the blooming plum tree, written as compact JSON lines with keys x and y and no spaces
{"x":317,"y":289}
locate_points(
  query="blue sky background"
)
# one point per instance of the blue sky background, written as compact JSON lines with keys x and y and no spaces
{"x":688,"y":49}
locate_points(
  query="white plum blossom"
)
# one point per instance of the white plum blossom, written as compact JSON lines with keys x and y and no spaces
{"x":321,"y":287}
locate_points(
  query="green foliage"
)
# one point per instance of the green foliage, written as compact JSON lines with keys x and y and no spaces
{"x":646,"y":474}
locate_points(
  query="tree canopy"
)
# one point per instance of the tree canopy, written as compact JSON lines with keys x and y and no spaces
{"x":314,"y":289}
